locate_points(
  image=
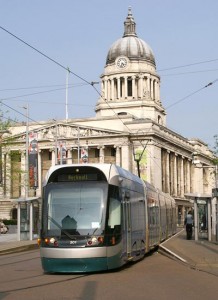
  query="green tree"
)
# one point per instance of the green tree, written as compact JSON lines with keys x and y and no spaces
{"x":6,"y":139}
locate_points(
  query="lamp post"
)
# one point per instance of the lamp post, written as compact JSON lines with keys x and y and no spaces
{"x":137,"y":160}
{"x":56,"y":143}
{"x":27,"y":152}
{"x":138,"y":157}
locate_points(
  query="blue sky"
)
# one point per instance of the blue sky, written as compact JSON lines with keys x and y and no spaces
{"x":78,"y":34}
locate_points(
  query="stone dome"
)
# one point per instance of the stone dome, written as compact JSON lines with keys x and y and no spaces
{"x":130,"y":45}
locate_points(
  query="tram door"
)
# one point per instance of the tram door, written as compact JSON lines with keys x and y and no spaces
{"x":126,"y":210}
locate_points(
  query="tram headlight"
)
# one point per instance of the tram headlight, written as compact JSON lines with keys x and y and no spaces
{"x":95,"y":241}
{"x":51,"y":242}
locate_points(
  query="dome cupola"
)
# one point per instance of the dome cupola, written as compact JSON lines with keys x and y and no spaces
{"x":130,"y":45}
{"x":130,"y":85}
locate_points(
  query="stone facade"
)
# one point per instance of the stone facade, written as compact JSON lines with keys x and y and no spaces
{"x":130,"y":122}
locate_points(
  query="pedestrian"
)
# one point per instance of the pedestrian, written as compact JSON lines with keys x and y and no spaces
{"x":188,"y":224}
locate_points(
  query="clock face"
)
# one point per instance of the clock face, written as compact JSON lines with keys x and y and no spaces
{"x":122,"y":62}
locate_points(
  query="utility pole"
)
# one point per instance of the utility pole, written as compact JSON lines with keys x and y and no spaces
{"x":78,"y":146}
{"x":56,"y":143}
{"x":27,"y":152}
{"x":67,"y":85}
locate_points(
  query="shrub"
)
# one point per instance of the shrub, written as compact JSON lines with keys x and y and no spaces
{"x":10,"y":222}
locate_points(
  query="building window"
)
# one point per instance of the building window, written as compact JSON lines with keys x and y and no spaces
{"x":113,"y":152}
{"x":96,"y":153}
{"x":50,"y":155}
{"x":129,"y":87}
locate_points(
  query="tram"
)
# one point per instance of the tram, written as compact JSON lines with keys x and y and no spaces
{"x":98,"y":217}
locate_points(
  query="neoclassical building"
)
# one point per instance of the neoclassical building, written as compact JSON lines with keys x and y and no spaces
{"x":128,"y":129}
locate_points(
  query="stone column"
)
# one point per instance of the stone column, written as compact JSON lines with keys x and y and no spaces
{"x":198,"y":176}
{"x":101,"y":155}
{"x":118,"y":156}
{"x":102,"y":88}
{"x":175,"y":179}
{"x":125,"y":163}
{"x":105,"y":89}
{"x":108,"y":89}
{"x":69,"y":156}
{"x":156,"y":161}
{"x":182,"y":177}
{"x":188,"y":177}
{"x":23,"y":174}
{"x":150,"y":155}
{"x":112,"y":89}
{"x":7,"y":175}
{"x":148,"y":85}
{"x":158,"y":92}
{"x":171,"y":173}
{"x":141,"y":87}
{"x":53,"y":157}
{"x":163,"y":169}
{"x":39,"y":190}
{"x":152,"y":89}
{"x":167,"y":172}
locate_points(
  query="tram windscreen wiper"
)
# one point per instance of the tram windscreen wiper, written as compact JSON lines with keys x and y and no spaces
{"x":59,"y":226}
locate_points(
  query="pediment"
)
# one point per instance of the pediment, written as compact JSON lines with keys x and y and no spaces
{"x":67,"y":131}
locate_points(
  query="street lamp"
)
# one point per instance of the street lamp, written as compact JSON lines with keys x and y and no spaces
{"x":137,"y":159}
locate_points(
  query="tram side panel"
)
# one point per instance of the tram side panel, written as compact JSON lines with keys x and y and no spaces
{"x":163,"y":217}
{"x":133,"y":224}
{"x":174,"y":221}
{"x":138,"y":221}
{"x":170,"y":215}
{"x":153,"y":208}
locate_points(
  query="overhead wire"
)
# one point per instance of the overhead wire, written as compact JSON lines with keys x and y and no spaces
{"x":191,"y":72}
{"x":90,"y":83}
{"x":93,"y":83}
{"x":32,"y":94}
{"x":60,"y":65}
{"x":42,"y":86}
{"x":43,"y":54}
{"x":195,"y":92}
{"x":19,"y":113}
{"x":188,"y":65}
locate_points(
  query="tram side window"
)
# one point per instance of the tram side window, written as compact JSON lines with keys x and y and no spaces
{"x":114,"y":217}
{"x":114,"y":209}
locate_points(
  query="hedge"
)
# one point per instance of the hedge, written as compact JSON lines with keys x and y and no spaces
{"x":10,"y":222}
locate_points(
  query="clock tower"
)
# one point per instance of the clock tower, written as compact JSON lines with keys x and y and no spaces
{"x":130,"y":83}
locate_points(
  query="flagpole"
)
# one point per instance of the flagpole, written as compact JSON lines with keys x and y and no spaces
{"x":66,"y":103}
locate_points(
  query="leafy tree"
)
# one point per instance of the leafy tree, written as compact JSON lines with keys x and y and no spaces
{"x":5,"y":142}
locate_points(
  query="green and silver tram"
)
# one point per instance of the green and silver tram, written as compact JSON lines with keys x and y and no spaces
{"x":96,"y":217}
